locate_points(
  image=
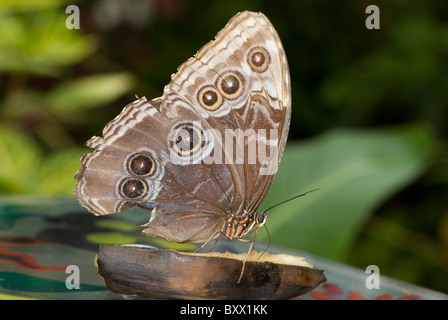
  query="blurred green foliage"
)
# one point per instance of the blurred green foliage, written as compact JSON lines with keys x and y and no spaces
{"x":369,"y":126}
{"x":355,"y":171}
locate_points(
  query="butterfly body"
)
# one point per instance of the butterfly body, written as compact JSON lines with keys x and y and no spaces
{"x":241,"y":227}
{"x":202,"y":157}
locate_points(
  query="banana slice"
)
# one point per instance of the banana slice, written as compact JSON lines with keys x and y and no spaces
{"x":169,"y":274}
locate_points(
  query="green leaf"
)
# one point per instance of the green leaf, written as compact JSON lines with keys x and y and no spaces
{"x":38,"y":42}
{"x":19,"y":156}
{"x":55,"y":174}
{"x":7,"y":6}
{"x":356,"y":170}
{"x":89,"y":92}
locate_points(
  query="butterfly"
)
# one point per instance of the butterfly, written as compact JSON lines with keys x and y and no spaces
{"x":203,"y":156}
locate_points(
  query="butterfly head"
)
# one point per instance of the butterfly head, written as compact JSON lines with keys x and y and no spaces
{"x":261,"y":218}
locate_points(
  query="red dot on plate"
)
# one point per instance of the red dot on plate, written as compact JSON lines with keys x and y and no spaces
{"x":317,"y":295}
{"x":385,"y":296}
{"x":332,"y":288}
{"x":355,"y":295}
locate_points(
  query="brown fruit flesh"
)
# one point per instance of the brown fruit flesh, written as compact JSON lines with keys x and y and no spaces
{"x":169,"y":274}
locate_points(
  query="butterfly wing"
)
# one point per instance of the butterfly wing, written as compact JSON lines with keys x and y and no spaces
{"x":131,"y":166}
{"x":171,"y":154}
{"x":245,"y":67}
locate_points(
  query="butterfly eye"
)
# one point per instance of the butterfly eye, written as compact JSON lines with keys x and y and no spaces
{"x":187,"y":139}
{"x":133,"y":188}
{"x":209,"y":98}
{"x":258,"y":59}
{"x":230,"y":85}
{"x":141,"y":165}
{"x":261,"y":219}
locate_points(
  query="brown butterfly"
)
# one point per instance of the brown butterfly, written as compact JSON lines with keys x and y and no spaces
{"x":188,"y":156}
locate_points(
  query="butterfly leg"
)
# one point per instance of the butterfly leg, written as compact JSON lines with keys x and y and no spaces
{"x":208,"y":240}
{"x":252,"y":244}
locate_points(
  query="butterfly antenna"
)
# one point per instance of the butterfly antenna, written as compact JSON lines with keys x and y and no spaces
{"x":265,"y":226}
{"x":297,"y":196}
